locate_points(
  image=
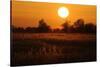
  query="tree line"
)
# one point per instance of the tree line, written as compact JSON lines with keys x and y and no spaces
{"x":78,"y":26}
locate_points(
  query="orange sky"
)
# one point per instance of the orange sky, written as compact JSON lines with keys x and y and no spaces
{"x":26,"y":14}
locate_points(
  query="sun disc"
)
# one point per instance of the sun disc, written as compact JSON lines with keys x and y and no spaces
{"x":63,"y":12}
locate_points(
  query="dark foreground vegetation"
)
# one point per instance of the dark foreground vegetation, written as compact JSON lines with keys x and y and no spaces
{"x":50,"y":48}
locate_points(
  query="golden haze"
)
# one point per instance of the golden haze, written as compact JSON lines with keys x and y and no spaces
{"x":26,"y":14}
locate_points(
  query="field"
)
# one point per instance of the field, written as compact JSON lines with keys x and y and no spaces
{"x":51,"y":48}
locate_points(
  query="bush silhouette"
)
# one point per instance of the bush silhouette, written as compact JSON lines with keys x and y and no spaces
{"x":65,"y":27}
{"x":90,"y":28}
{"x":43,"y":27}
{"x":31,"y":29}
{"x":79,"y":25}
{"x":17,"y":29}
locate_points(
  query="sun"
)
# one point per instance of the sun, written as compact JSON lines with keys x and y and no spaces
{"x":63,"y":12}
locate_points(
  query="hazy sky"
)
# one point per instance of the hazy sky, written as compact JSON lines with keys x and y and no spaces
{"x":26,"y":14}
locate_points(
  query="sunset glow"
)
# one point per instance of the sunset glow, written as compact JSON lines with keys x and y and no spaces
{"x":27,"y":14}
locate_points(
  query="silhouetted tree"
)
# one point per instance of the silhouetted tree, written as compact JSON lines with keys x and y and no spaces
{"x":72,"y":29}
{"x":16,"y":29}
{"x":65,"y":26}
{"x":31,"y":29}
{"x":20,"y":29}
{"x":43,"y":27}
{"x":57,"y":30}
{"x":79,"y":25}
{"x":90,"y":28}
{"x":28,"y":29}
